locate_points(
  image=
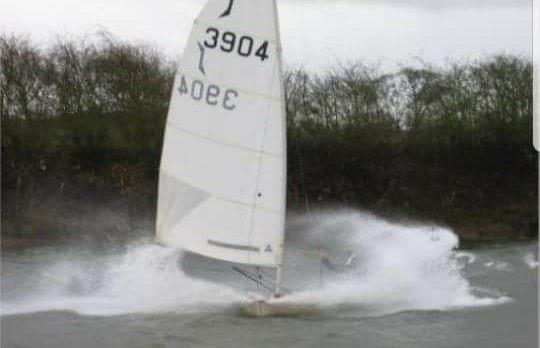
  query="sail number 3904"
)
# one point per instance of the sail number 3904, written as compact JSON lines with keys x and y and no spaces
{"x":228,"y":42}
{"x":211,"y":94}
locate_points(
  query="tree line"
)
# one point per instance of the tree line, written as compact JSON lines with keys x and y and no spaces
{"x":446,"y":143}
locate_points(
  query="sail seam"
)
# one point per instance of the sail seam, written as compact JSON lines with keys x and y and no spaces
{"x":221,"y":198}
{"x":214,"y":140}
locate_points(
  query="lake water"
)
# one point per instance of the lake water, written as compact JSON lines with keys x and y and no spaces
{"x":412,"y":288}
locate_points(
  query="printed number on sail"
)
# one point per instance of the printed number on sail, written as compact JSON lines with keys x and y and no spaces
{"x":211,"y":94}
{"x":228,"y":42}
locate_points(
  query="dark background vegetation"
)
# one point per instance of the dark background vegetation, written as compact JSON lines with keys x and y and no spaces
{"x":82,"y":126}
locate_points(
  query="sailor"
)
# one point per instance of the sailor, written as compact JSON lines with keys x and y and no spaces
{"x":349,"y":265}
{"x":325,"y":260}
{"x":352,"y":260}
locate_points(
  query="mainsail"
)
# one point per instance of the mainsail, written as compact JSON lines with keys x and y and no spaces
{"x":223,"y":167}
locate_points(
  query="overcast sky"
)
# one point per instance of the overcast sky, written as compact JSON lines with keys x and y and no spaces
{"x":315,"y":33}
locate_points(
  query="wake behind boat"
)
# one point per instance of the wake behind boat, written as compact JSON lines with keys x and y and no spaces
{"x":222,"y":182}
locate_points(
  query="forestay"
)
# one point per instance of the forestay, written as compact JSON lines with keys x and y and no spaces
{"x":223,"y":167}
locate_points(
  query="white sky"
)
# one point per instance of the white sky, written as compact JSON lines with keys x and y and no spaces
{"x":315,"y":33}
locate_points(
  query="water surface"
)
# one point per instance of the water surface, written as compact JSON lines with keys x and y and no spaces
{"x":413,"y":290}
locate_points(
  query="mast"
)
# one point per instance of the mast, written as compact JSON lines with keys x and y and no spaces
{"x":279,"y":275}
{"x":536,"y":74}
{"x":279,"y":267}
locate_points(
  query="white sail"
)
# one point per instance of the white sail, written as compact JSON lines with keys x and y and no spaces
{"x":223,"y":166}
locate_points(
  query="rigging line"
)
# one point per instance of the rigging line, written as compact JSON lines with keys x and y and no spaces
{"x":268,"y":275}
{"x":264,"y":284}
{"x":253,"y":278}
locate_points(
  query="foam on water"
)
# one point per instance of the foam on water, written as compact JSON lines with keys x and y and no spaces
{"x":530,"y":260}
{"x":498,"y":265}
{"x":403,"y":267}
{"x":468,"y":257}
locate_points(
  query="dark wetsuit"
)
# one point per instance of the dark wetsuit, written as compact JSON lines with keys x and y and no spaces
{"x":349,"y":266}
{"x":332,"y":266}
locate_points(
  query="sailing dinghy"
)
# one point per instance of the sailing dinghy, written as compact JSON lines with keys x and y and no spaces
{"x":222,"y":181}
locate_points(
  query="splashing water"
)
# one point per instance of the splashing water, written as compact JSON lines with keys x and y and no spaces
{"x":467,"y":257}
{"x":498,"y":265}
{"x":403,"y":267}
{"x":530,"y":260}
{"x":145,"y":279}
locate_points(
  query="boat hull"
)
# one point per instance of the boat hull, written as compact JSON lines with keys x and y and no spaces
{"x":263,"y":308}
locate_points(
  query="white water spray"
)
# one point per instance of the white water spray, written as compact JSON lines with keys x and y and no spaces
{"x":498,"y":265}
{"x":403,"y":267}
{"x":530,"y":260}
{"x":145,"y":279}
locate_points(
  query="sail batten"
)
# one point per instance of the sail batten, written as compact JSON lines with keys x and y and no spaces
{"x":223,"y":165}
{"x":224,"y":143}
{"x":234,"y":146}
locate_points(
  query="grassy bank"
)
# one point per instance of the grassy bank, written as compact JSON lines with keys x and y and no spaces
{"x":82,"y":127}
